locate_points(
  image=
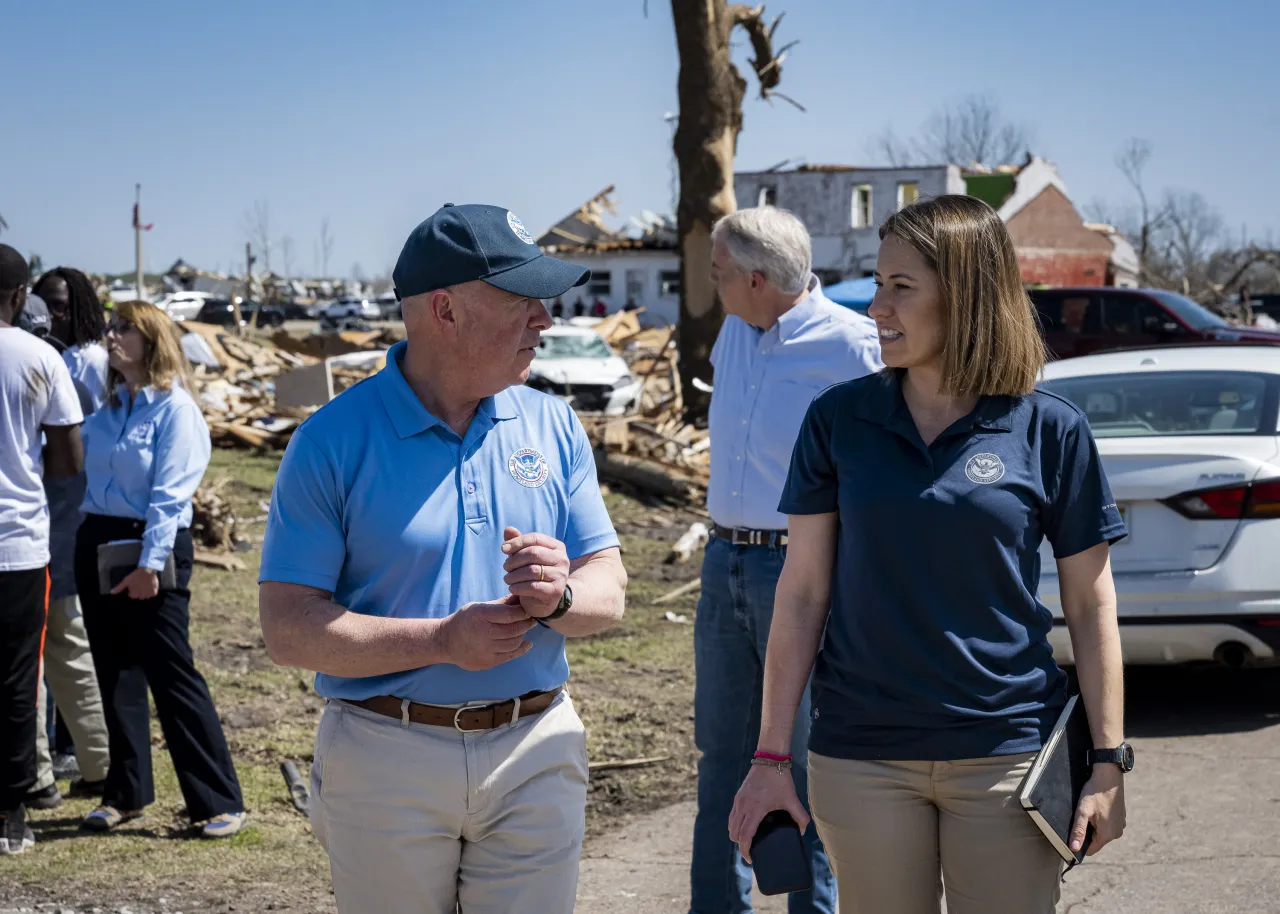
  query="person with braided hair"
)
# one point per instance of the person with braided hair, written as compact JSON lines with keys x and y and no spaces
{"x":77,"y":326}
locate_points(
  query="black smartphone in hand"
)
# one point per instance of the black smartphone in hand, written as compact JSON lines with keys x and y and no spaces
{"x":778,"y":856}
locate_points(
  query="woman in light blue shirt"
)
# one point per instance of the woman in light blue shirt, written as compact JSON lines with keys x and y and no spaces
{"x":146,"y":450}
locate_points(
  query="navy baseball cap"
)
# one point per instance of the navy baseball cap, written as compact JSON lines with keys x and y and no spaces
{"x":458,"y":244}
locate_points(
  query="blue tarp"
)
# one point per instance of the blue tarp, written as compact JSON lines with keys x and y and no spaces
{"x":852,"y":293}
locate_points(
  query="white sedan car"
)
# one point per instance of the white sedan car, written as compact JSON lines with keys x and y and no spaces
{"x":1191,"y":446}
{"x":577,"y":365}
{"x":183,"y":306}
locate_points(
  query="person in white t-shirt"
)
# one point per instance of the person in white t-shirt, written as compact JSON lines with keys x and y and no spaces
{"x":36,"y":396}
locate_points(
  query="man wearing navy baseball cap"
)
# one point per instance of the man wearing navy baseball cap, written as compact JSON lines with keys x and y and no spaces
{"x":435,"y":534}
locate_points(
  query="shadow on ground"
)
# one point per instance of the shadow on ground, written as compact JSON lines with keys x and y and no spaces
{"x":1193,"y":701}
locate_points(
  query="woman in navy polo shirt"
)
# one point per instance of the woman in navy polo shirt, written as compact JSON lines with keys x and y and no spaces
{"x":918,"y":500}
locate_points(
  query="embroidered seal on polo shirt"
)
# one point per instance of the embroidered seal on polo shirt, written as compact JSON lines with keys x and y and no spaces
{"x":984,"y":469}
{"x":518,"y":227}
{"x":528,"y":467}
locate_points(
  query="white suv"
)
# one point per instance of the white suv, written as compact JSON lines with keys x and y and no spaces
{"x":353,"y":307}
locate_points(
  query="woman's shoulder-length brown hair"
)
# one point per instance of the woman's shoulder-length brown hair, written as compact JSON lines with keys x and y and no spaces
{"x":992,"y":344}
{"x":163,"y":361}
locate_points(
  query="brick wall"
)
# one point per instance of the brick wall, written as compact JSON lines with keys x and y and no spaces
{"x":1054,"y":248}
{"x":1062,"y":268}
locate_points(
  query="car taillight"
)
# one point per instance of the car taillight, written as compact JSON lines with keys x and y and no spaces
{"x":1264,"y":501}
{"x":1257,"y":500}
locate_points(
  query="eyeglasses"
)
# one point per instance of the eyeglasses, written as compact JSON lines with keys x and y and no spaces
{"x":118,"y":328}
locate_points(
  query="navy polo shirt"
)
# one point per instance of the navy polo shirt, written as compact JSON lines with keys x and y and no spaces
{"x":382,"y":504}
{"x":937,"y":647}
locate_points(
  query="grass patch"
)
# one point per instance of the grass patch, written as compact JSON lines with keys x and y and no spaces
{"x":633,"y":687}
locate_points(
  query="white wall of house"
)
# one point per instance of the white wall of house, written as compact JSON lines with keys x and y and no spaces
{"x":650,"y":278}
{"x":845,"y":237}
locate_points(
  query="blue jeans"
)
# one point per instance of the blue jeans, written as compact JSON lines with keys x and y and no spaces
{"x":730,"y":635}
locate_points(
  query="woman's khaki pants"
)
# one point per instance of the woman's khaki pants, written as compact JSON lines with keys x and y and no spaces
{"x":900,"y":833}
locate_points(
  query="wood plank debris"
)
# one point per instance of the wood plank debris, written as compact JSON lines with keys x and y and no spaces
{"x":265,"y":387}
{"x":614,"y":765}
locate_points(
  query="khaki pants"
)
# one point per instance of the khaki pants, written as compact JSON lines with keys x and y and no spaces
{"x":897,"y":833}
{"x":419,"y":819}
{"x":68,"y":668}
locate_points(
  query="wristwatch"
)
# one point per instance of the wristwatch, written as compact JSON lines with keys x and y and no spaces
{"x":1121,"y":756}
{"x":565,"y":604}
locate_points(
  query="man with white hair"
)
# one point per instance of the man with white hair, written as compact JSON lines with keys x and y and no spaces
{"x":782,"y":343}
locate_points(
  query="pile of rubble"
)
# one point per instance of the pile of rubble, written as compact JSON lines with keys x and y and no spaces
{"x":654,"y":450}
{"x":254,"y":394}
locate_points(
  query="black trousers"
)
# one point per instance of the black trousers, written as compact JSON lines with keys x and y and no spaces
{"x":24,"y":604}
{"x":141,"y":643}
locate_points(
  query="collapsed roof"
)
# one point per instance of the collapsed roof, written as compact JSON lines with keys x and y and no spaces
{"x":584,"y":230}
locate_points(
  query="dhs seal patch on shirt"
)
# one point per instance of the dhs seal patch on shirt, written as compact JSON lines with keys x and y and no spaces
{"x":528,"y":467}
{"x":518,"y":227}
{"x":984,"y":469}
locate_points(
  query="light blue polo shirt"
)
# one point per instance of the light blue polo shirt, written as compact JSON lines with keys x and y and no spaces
{"x":383,"y":504}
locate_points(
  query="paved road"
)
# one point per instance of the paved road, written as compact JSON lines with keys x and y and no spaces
{"x":1204,"y":814}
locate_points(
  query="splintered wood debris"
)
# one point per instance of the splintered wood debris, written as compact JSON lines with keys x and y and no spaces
{"x":652,"y":450}
{"x":238,"y":397}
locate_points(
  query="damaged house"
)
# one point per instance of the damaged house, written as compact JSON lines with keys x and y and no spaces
{"x":637,"y":266}
{"x":844,"y":206}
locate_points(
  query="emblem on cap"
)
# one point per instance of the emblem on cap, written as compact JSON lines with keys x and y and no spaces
{"x":518,"y":227}
{"x":984,"y":469}
{"x":528,"y":467}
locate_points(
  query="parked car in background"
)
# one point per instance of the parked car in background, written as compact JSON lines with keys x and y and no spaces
{"x":1091,"y":319}
{"x":183,"y":306}
{"x":575,"y":364}
{"x":389,"y":307}
{"x":360,"y":308}
{"x":1191,"y":446}
{"x":220,"y":311}
{"x":297,"y":311}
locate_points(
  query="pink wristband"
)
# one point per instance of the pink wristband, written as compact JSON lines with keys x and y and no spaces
{"x":771,"y":757}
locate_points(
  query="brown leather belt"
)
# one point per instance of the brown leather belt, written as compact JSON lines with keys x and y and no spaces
{"x":739,"y":536}
{"x":465,"y":719}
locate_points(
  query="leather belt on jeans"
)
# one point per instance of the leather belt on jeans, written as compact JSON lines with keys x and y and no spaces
{"x":464,"y":719}
{"x":742,"y":537}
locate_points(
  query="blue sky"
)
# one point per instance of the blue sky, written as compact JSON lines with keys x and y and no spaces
{"x":375,"y":114}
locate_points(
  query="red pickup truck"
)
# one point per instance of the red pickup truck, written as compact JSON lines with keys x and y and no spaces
{"x":1088,"y":319}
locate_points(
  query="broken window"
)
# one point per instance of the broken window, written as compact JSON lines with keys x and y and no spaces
{"x":768,"y":195}
{"x":635,"y":285}
{"x":669,"y":283}
{"x":600,"y":283}
{"x":908,"y":193}
{"x":861,"y":206}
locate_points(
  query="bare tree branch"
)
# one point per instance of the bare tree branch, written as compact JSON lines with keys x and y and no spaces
{"x":257,"y":225}
{"x":766,"y":63}
{"x":326,"y":247}
{"x":968,"y":131}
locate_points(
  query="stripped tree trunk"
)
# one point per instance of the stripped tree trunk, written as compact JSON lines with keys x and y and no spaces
{"x":710,"y":91}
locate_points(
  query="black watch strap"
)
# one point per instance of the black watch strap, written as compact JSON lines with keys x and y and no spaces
{"x":1121,"y":756}
{"x":566,"y":602}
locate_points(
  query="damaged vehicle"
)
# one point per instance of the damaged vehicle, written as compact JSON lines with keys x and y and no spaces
{"x":575,"y":364}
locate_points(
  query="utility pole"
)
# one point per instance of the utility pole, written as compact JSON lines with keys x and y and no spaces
{"x":248,"y":286}
{"x":137,"y":240}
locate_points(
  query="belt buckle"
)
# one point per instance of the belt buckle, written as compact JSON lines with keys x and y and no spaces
{"x":457,"y":724}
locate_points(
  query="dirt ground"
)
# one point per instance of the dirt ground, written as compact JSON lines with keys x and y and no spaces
{"x":633,"y":687}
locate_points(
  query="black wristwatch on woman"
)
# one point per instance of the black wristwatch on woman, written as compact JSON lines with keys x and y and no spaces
{"x":1121,"y":757}
{"x":565,"y":604}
